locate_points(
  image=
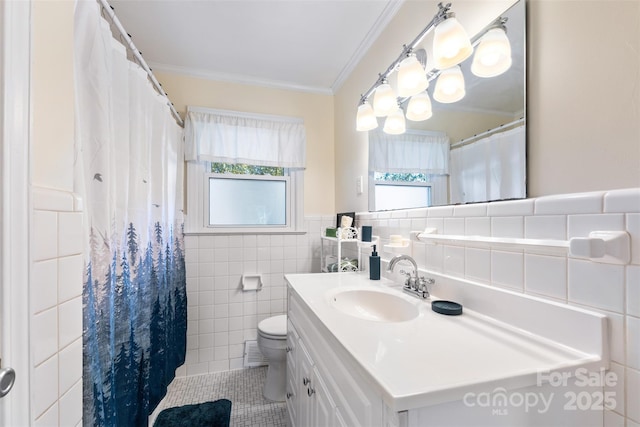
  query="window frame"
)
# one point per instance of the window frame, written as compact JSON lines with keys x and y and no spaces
{"x":374,"y":182}
{"x":197,"y":214}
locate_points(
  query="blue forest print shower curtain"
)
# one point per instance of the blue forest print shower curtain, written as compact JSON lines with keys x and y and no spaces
{"x":129,"y":175}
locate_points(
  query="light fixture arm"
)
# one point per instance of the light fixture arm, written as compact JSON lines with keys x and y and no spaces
{"x":499,"y":22}
{"x":442,"y":14}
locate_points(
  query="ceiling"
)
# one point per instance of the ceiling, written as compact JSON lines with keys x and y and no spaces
{"x":303,"y":45}
{"x":307,"y":45}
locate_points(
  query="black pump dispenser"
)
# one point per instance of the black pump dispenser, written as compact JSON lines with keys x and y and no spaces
{"x":374,"y":265}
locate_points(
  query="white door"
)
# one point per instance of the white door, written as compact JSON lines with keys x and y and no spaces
{"x":14,"y":213}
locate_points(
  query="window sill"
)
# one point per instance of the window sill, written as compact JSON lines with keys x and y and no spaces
{"x":241,"y":232}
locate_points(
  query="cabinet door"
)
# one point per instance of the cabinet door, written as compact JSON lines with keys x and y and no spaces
{"x":293,"y":403}
{"x":305,"y":371}
{"x":323,"y":408}
{"x":292,"y":374}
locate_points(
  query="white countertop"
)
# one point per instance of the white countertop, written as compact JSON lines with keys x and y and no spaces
{"x":436,"y":358}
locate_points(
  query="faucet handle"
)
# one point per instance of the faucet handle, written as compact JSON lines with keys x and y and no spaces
{"x":407,"y":278}
{"x":428,"y":281}
{"x":422,"y":283}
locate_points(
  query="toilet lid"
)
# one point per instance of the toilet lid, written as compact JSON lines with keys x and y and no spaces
{"x":275,"y":326}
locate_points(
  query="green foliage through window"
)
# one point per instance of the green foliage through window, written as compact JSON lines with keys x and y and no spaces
{"x":402,"y":177}
{"x":242,"y":169}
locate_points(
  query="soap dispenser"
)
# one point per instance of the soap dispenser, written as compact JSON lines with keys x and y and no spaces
{"x":374,"y":265}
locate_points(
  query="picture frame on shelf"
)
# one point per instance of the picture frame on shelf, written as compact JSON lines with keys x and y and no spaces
{"x":348,"y":223}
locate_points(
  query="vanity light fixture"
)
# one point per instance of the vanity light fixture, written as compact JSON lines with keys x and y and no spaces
{"x":366,"y":119}
{"x":412,"y":77}
{"x":493,"y":53}
{"x":395,"y":123}
{"x":384,"y":100}
{"x":419,"y":107}
{"x":451,"y":44}
{"x":450,"y":86}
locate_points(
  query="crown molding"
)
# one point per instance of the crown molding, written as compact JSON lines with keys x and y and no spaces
{"x":237,"y":78}
{"x":378,"y":27}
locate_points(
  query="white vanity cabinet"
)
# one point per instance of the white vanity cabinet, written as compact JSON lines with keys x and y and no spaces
{"x":322,"y":389}
{"x":308,"y":400}
{"x":343,"y":370}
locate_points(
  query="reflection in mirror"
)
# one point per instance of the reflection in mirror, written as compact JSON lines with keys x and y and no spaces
{"x":485,"y":132}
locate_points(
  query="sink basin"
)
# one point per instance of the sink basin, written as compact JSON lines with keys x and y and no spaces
{"x":374,"y":305}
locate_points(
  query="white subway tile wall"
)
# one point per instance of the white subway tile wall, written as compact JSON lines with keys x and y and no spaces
{"x":221,"y":317}
{"x":56,"y":308}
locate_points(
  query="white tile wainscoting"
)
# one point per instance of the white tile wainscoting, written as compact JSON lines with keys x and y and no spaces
{"x":221,"y":317}
{"x":56,"y":308}
{"x":611,"y":289}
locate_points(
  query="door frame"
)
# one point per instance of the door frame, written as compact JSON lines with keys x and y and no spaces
{"x":15,"y":75}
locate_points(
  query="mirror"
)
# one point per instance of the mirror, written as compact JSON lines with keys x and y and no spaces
{"x":482,"y":127}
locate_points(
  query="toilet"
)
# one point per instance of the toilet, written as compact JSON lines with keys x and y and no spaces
{"x":272,"y":342}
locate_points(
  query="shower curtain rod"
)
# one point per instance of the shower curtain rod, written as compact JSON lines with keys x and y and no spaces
{"x":109,"y":11}
{"x":472,"y":139}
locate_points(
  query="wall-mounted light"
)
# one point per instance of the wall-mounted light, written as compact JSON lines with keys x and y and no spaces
{"x":365,"y":119}
{"x":395,"y":123}
{"x":451,"y":44}
{"x":412,"y":77}
{"x":493,"y":54}
{"x":419,"y":107}
{"x":384,"y":100}
{"x":450,"y":86}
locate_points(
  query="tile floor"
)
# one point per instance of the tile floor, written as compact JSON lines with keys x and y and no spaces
{"x":242,"y":387}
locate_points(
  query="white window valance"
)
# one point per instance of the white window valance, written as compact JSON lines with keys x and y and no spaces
{"x":236,"y":137}
{"x":412,"y":152}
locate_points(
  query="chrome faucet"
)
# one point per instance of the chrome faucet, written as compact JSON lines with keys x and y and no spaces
{"x":413,"y":284}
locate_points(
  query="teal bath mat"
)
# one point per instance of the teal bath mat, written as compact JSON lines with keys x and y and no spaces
{"x":208,"y":414}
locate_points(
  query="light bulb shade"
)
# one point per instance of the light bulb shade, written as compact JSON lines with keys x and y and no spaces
{"x":419,"y":107}
{"x":365,"y":119}
{"x":450,"y":86}
{"x":493,"y":54}
{"x":384,"y":100}
{"x":395,"y":123}
{"x":451,"y":44}
{"x":412,"y":78}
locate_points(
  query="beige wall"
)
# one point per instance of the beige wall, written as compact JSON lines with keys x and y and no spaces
{"x":584,"y":96}
{"x":52,"y":100}
{"x":316,"y":110}
{"x":56,"y":243}
{"x":581,"y":115}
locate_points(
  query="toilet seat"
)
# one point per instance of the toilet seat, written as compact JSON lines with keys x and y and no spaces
{"x":274,"y":328}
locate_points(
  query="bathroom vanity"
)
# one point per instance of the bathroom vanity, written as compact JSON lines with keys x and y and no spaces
{"x":363,"y":353}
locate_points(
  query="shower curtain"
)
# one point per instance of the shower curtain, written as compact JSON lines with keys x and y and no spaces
{"x":491,"y":168}
{"x":129,"y":174}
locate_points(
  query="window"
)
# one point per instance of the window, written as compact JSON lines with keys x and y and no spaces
{"x":241,"y":198}
{"x":241,"y":195}
{"x":245,"y":172}
{"x":401,"y":191}
{"x":408,"y":171}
